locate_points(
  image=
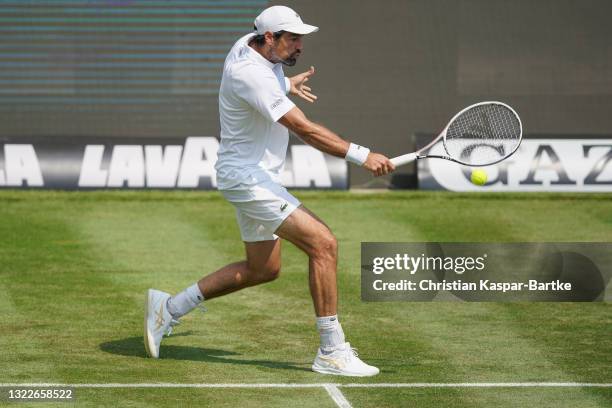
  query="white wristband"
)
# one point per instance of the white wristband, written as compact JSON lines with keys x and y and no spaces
{"x":357,"y":154}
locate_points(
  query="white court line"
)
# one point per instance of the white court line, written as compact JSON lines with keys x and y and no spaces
{"x":476,"y":385}
{"x":337,"y":396}
{"x":312,"y":385}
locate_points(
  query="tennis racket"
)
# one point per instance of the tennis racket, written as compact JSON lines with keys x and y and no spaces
{"x":480,"y":135}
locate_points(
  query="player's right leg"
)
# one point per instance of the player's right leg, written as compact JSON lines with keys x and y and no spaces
{"x":334,"y":356}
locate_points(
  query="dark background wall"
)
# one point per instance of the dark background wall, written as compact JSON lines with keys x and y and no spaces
{"x":389,"y":69}
{"x":385,"y":70}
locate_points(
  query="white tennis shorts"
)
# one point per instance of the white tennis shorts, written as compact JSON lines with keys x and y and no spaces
{"x":261,"y":209}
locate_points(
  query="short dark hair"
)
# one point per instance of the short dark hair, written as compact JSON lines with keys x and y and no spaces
{"x":260,"y":39}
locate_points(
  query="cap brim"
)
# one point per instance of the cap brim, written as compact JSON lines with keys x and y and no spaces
{"x":301,"y":29}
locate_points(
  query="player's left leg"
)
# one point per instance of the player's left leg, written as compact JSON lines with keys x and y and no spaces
{"x":162,"y":310}
{"x":262,"y":265}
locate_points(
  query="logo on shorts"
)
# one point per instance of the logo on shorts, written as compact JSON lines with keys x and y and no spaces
{"x":283,"y":206}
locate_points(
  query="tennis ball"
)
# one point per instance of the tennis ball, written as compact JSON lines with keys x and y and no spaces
{"x":479,"y":177}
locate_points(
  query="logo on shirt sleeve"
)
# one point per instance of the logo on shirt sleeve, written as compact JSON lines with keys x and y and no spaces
{"x":276,"y":104}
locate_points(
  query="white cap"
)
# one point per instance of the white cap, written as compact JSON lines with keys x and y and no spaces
{"x":281,"y":18}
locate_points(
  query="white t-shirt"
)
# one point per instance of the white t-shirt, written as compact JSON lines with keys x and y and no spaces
{"x":251,"y":99}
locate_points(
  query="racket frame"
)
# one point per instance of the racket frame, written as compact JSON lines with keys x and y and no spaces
{"x":410,"y":157}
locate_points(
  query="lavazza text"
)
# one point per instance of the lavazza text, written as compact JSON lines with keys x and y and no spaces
{"x":458,"y":265}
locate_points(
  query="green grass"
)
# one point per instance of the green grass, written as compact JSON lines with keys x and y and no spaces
{"x":74,"y":268}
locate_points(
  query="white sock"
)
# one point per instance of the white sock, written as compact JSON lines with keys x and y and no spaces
{"x":331,"y":333}
{"x":184,"y":302}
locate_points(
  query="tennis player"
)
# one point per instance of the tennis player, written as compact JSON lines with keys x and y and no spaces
{"x":255,"y":115}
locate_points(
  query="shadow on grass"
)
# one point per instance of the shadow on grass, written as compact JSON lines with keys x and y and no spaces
{"x":134,"y":347}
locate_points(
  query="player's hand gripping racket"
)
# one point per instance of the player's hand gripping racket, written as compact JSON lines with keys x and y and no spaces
{"x":480,"y":135}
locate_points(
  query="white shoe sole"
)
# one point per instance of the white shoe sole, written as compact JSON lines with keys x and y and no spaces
{"x":149,"y":342}
{"x":335,"y":371}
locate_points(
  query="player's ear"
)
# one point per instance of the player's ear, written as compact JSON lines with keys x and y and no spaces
{"x":269,"y":38}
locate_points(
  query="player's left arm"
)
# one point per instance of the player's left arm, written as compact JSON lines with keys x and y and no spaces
{"x":297,"y":86}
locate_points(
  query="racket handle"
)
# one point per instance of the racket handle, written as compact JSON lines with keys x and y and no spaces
{"x":404,"y":159}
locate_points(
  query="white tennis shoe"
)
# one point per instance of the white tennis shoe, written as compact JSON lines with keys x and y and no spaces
{"x":157,"y":321}
{"x":343,"y":361}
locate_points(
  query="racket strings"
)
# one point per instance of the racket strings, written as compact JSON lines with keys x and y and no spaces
{"x":483,"y":134}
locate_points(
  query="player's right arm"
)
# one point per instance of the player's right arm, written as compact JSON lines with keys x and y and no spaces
{"x":323,"y":139}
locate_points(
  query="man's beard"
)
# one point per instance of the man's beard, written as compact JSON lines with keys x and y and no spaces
{"x":289,"y":61}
